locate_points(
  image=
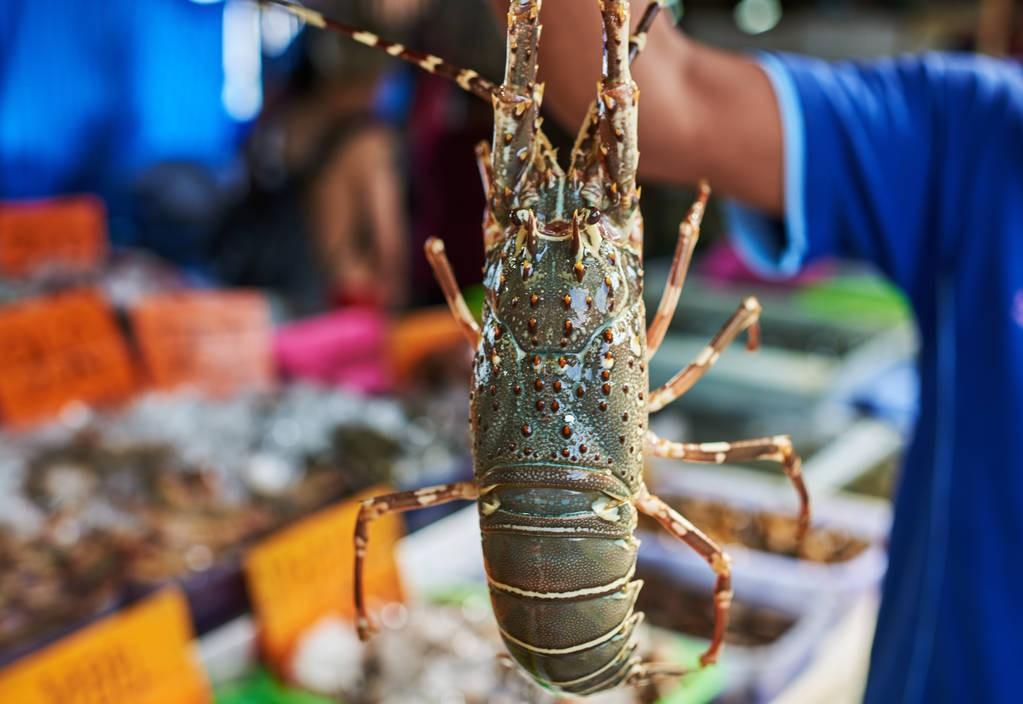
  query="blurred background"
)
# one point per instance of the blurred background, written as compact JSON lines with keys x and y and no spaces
{"x":216,"y":327}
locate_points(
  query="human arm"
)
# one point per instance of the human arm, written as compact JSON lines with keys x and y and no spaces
{"x":360,"y":189}
{"x":384,"y":202}
{"x":885,"y":161}
{"x":703,"y":113}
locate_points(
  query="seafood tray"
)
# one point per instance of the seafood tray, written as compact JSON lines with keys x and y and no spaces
{"x":835,"y":444}
{"x":877,"y":482}
{"x":443,"y":650}
{"x":770,"y":638}
{"x":753,"y":517}
{"x":447,"y":629}
{"x":109,"y":508}
{"x":687,"y":420}
{"x":805,"y":356}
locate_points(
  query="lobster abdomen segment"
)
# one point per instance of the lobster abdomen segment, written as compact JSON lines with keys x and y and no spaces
{"x":557,"y":565}
{"x":560,"y":563}
{"x":601,"y":666}
{"x":561,"y":624}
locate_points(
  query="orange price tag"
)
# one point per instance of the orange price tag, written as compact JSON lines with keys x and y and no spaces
{"x":218,"y":341}
{"x":304,"y":573}
{"x":417,"y":336}
{"x":59,"y":349}
{"x":143,"y":655}
{"x":69,"y":232}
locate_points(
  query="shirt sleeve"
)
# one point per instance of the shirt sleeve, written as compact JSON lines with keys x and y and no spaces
{"x":880,"y":160}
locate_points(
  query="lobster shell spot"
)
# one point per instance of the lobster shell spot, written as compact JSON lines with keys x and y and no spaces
{"x":558,"y":288}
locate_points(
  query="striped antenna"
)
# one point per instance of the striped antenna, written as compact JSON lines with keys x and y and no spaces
{"x":588,"y":132}
{"x":466,"y":79}
{"x":638,"y":40}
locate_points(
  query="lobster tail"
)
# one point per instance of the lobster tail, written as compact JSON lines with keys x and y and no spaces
{"x":560,"y":563}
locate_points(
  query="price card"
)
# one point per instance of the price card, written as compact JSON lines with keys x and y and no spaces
{"x":143,"y":655}
{"x":417,"y":336}
{"x":59,"y":349}
{"x":217,"y":341}
{"x":66,"y":232}
{"x":304,"y":573}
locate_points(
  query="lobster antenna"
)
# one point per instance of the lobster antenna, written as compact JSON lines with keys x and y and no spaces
{"x":587,"y":134}
{"x":638,"y":40}
{"x":467,"y":79}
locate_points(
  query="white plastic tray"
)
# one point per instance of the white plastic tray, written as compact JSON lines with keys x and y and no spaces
{"x":755,"y":572}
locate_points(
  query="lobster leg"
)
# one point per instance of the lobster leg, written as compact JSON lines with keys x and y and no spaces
{"x":396,"y":503}
{"x":516,"y":106}
{"x":446,"y":278}
{"x":637,"y":42}
{"x":688,"y":234}
{"x":777,"y":449}
{"x":679,"y":526}
{"x":745,"y":318}
{"x":618,"y":99}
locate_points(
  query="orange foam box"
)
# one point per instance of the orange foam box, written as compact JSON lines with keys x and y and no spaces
{"x":68,"y":232}
{"x":217,"y":341}
{"x":59,"y":349}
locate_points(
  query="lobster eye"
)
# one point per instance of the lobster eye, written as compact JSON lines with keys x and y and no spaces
{"x":594,"y":217}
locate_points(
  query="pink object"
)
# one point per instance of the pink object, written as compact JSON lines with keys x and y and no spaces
{"x":723,"y":263}
{"x":347,"y":348}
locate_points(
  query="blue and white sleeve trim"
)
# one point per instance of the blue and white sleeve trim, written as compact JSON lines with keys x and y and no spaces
{"x":771,"y":248}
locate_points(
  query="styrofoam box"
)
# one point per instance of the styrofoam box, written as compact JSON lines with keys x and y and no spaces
{"x":756,"y":572}
{"x":757,"y":674}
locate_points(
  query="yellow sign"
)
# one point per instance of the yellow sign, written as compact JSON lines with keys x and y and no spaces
{"x":143,"y":655}
{"x":304,"y":573}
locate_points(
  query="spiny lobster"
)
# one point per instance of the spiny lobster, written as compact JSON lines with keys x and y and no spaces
{"x":559,"y":399}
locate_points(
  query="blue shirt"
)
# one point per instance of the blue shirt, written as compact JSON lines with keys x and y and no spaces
{"x":916,"y":165}
{"x":94,"y":94}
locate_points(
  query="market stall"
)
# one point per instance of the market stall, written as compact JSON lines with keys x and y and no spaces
{"x":240,"y":428}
